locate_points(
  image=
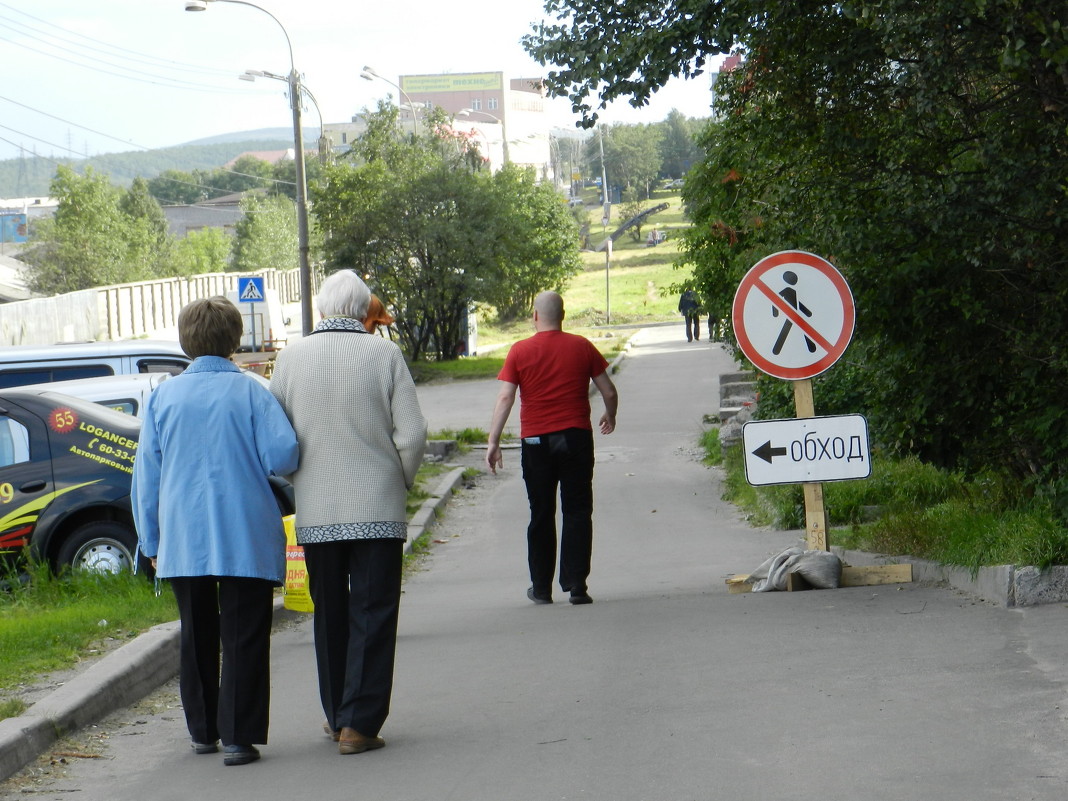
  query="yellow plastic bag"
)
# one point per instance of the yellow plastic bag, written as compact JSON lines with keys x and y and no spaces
{"x":297,"y":596}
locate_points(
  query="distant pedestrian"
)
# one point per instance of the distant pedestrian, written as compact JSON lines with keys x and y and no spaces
{"x":353,"y":404}
{"x":552,"y":371}
{"x":207,"y":517}
{"x":691,"y":310}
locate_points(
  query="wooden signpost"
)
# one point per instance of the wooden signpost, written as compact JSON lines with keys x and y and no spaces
{"x":793,"y":317}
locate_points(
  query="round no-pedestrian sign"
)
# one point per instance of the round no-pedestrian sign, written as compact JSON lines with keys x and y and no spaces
{"x":793,"y":315}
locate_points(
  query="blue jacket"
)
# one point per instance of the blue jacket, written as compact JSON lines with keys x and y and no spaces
{"x":201,"y":500}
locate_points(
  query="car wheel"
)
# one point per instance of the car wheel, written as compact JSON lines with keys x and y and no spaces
{"x":104,"y":546}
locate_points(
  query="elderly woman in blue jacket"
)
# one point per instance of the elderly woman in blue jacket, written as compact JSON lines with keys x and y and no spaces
{"x":207,"y":517}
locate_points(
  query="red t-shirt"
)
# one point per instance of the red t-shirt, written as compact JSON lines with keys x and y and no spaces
{"x":553,"y":371}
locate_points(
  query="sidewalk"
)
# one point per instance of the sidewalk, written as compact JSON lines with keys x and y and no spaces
{"x":667,"y":687}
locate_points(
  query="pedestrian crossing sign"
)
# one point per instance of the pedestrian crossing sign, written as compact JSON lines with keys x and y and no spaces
{"x":250,"y":290}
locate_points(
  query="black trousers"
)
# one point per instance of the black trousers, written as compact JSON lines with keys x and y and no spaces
{"x":231,"y":617}
{"x":559,"y":461}
{"x":356,"y":588}
{"x":693,"y":327}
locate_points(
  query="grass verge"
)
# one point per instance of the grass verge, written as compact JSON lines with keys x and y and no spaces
{"x":52,"y":622}
{"x":908,"y":508}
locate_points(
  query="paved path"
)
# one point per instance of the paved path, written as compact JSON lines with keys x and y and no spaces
{"x":667,"y":688}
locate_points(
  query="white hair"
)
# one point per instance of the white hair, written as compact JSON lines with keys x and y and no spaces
{"x":343,"y":294}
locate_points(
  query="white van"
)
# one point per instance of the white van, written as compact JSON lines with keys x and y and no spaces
{"x":123,"y":393}
{"x":265,"y":324}
{"x":39,"y":364}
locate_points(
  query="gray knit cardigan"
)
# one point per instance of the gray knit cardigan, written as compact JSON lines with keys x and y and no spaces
{"x":352,"y":402}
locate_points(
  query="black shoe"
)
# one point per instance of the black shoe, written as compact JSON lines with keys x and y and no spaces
{"x":240,"y":754}
{"x":204,"y":748}
{"x":538,"y":598}
{"x":580,"y":597}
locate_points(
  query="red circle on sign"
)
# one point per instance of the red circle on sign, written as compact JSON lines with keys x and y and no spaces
{"x":831,"y":344}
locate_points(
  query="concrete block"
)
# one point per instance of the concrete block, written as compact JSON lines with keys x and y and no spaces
{"x":1031,"y":586}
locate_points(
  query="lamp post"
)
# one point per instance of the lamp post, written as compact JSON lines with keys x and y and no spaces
{"x":464,"y":112}
{"x":295,"y":90}
{"x":608,"y":241}
{"x":369,"y":74}
{"x":324,"y":143}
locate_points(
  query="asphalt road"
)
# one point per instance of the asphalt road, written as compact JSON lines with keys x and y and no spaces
{"x":666,"y":688}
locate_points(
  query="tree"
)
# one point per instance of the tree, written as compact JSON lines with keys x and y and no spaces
{"x":149,"y":239}
{"x":206,"y":250}
{"x":90,"y":241}
{"x":921,"y":147}
{"x":631,"y":156}
{"x":678,"y":149}
{"x":247,"y":172}
{"x":266,"y":237}
{"x":430,"y":228}
{"x":534,"y":240}
{"x":174,"y":188}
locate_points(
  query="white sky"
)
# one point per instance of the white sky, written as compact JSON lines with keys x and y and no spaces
{"x":99,"y":76}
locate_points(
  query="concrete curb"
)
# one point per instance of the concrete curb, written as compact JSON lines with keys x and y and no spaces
{"x":1008,"y":586}
{"x":119,"y":679}
{"x":139,"y":667}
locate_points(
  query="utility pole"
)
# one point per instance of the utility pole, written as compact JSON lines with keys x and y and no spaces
{"x":606,"y":216}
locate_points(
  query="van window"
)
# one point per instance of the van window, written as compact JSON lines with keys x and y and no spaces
{"x":126,"y":405}
{"x":44,"y":375}
{"x":156,"y":365}
{"x":14,"y":442}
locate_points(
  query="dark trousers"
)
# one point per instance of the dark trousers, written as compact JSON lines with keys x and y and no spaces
{"x":356,"y":588}
{"x":561,"y":460}
{"x":693,"y":327}
{"x":231,"y":617}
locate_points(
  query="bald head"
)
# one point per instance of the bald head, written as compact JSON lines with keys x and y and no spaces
{"x":548,"y":311}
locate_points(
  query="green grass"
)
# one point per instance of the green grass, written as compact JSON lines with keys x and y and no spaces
{"x":638,"y":288}
{"x":49,"y":622}
{"x":472,"y":367}
{"x":908,"y":508}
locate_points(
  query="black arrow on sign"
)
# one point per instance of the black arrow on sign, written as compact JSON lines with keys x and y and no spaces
{"x":766,"y":452}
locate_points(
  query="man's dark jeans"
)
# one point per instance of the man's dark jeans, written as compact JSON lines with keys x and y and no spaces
{"x":562,"y":459}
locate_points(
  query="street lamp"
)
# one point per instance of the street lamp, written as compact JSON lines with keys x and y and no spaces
{"x":369,"y":74}
{"x":295,"y":91}
{"x":464,"y":112}
{"x":324,"y":143}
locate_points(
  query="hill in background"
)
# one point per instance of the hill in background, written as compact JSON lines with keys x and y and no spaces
{"x":30,"y":176}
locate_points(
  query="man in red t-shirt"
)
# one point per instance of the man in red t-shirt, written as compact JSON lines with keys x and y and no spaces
{"x":552,"y":371}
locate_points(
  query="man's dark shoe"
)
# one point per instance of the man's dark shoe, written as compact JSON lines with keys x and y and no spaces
{"x":580,"y":597}
{"x":204,"y":748}
{"x":538,"y":598}
{"x":240,"y":754}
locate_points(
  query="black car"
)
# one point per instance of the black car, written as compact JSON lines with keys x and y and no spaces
{"x":65,"y":470}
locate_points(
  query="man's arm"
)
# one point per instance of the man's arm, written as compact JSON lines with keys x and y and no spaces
{"x":611,"y":402}
{"x":501,"y":410}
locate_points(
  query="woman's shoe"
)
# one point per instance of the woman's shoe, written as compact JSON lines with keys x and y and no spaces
{"x":240,"y":754}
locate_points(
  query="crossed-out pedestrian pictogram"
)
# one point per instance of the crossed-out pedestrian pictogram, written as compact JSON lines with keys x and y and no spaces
{"x":793,"y":315}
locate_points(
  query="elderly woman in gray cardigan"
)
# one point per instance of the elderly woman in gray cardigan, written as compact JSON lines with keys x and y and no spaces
{"x":352,"y":403}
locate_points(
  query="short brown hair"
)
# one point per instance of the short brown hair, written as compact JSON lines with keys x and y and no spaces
{"x":210,"y":327}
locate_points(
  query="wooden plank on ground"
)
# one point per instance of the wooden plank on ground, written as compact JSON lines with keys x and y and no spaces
{"x":737,"y":584}
{"x":868,"y":576}
{"x":872,"y":575}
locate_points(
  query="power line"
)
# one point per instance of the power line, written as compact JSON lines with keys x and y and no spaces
{"x":99,"y":46}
